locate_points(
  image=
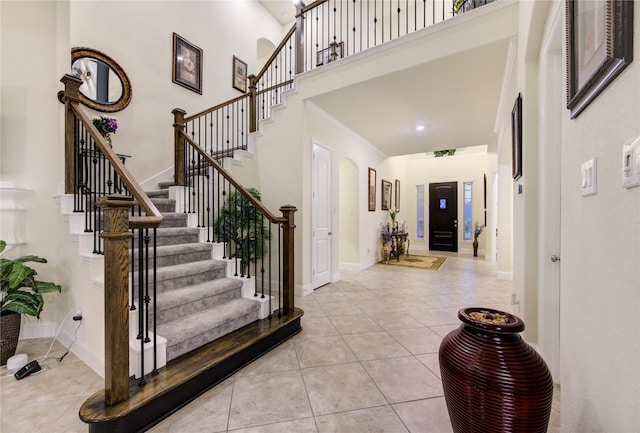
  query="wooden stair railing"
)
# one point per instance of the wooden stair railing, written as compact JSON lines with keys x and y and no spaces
{"x":118,"y":222}
{"x":207,"y":164}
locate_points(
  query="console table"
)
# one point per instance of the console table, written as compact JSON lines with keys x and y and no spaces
{"x":398,"y":240}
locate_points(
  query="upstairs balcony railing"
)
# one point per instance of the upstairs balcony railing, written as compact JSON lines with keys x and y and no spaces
{"x":324,"y":31}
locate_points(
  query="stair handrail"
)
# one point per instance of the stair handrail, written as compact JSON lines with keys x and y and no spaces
{"x":276,"y":51}
{"x":286,"y":221}
{"x":71,"y":99}
{"x":258,"y":204}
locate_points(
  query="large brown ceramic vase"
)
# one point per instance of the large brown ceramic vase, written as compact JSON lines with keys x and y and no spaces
{"x":493,"y":381}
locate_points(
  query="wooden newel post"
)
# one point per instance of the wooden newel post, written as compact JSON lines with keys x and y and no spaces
{"x":288,"y":262}
{"x":178,"y":147}
{"x":299,"y":38}
{"x":117,"y":237}
{"x":70,"y":95}
{"x":253,"y":103}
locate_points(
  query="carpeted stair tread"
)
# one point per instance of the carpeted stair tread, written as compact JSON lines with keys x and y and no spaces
{"x":174,"y":235}
{"x":187,"y":333}
{"x":186,"y":274}
{"x":169,"y":255}
{"x":198,"y":291}
{"x":165,"y":205}
{"x":173,"y":219}
{"x":158,"y":193}
{"x":165,"y":185}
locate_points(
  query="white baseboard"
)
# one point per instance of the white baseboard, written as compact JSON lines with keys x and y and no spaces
{"x":303,"y":290}
{"x":37,"y":330}
{"x":346,"y":266}
{"x":86,"y":355}
{"x":48,"y":330}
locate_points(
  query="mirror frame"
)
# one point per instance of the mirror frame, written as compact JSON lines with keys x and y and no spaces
{"x":123,"y":101}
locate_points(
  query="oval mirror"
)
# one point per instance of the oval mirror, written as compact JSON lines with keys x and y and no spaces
{"x":105,"y":86}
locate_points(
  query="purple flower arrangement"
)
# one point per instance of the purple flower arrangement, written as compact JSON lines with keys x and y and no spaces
{"x":106,"y":125}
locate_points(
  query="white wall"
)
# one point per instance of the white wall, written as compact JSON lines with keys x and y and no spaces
{"x":34,"y":37}
{"x":348,"y":214}
{"x":600,"y":241}
{"x":601,"y":263}
{"x":138,"y":35}
{"x":345,"y":145}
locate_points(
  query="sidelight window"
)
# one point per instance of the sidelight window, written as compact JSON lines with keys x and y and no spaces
{"x":468,"y":216}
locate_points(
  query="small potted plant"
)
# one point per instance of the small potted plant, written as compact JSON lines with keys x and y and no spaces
{"x":21,"y":294}
{"x":106,"y":125}
{"x":241,"y":226}
{"x":392,"y":214}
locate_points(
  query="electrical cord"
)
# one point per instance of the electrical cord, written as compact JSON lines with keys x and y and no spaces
{"x":43,"y":359}
{"x":75,"y":338}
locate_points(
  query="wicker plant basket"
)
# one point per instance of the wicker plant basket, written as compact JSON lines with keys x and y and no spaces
{"x":9,"y":333}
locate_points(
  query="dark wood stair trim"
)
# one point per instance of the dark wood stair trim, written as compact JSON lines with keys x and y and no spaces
{"x":188,"y":376}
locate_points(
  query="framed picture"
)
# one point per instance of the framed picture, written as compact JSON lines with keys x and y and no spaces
{"x":599,"y":47}
{"x":187,"y":64}
{"x":239,"y":75}
{"x":372,"y":189}
{"x":516,"y":138}
{"x":335,"y":51}
{"x":386,"y":195}
{"x":397,"y":196}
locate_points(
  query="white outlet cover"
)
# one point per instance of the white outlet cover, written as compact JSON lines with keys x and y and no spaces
{"x":589,"y":179}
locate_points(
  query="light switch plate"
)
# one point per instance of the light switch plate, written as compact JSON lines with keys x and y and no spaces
{"x":631,"y":164}
{"x":589,"y":178}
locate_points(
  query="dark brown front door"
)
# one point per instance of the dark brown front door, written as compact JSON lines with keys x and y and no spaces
{"x":443,"y":216}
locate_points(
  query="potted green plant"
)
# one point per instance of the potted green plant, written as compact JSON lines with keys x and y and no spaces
{"x":21,"y":294}
{"x":242,"y":227}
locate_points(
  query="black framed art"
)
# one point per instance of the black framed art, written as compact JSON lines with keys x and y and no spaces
{"x":386,"y":195}
{"x":599,"y":46}
{"x":239,"y":75}
{"x":516,"y":138}
{"x":187,"y":64}
{"x":372,"y":189}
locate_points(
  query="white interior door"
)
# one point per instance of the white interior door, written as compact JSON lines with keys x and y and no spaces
{"x":550,"y":188}
{"x":321,"y":217}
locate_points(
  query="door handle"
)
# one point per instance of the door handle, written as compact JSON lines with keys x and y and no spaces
{"x":555,"y":258}
{"x":330,"y":233}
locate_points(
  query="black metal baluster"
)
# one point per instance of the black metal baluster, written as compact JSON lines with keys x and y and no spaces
{"x":141,"y":312}
{"x":280,"y":271}
{"x":155,"y":309}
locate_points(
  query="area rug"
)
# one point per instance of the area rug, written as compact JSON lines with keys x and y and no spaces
{"x":432,"y":263}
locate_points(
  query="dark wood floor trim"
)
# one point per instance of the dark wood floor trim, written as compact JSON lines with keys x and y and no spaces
{"x":188,"y":376}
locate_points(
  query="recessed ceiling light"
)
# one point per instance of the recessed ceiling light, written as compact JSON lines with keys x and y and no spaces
{"x":420,"y":128}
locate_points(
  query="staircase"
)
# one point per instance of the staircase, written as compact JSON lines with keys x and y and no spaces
{"x":196,"y":302}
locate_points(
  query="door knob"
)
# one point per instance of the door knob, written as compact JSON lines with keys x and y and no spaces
{"x":555,"y":258}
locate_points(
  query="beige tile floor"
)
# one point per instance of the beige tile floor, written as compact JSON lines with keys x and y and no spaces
{"x":365,"y":361}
